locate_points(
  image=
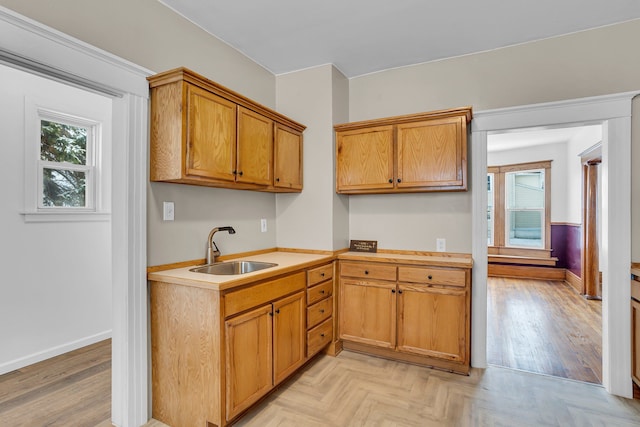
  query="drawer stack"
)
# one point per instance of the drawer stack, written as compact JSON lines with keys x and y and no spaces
{"x":319,"y":308}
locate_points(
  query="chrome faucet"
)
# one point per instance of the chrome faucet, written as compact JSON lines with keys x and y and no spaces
{"x":212,"y":254}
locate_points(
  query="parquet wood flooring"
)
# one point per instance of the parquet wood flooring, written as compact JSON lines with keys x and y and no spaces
{"x":544,"y":327}
{"x":72,"y":389}
{"x":355,"y":390}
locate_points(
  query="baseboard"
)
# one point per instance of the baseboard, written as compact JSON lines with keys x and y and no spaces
{"x":574,"y":281}
{"x":526,"y":272}
{"x":12,"y":365}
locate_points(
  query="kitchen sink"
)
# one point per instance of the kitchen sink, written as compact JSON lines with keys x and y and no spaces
{"x":233,"y":267}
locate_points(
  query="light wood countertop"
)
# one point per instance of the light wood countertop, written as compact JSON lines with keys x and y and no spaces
{"x":635,"y":269}
{"x":287,"y":262}
{"x":407,"y":258}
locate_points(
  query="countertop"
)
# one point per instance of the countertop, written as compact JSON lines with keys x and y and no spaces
{"x":287,"y":262}
{"x":408,"y":258}
{"x":635,"y":269}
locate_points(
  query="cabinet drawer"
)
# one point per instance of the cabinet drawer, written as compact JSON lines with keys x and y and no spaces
{"x":319,"y":337}
{"x":320,"y":274}
{"x":253,"y":296}
{"x":435,"y":276}
{"x":319,"y":312}
{"x":368,"y":271}
{"x":319,"y":292}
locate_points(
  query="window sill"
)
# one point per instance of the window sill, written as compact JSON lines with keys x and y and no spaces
{"x":66,"y":216}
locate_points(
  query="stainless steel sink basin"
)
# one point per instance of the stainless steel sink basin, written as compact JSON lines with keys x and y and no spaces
{"x":232,"y":267}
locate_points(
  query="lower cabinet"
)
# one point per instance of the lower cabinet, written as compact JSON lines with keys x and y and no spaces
{"x":263,"y":347}
{"x":415,"y":313}
{"x":635,"y":341}
{"x":215,"y":353}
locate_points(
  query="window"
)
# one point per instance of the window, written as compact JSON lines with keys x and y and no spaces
{"x":66,"y":166}
{"x":67,"y":162}
{"x":519,"y":208}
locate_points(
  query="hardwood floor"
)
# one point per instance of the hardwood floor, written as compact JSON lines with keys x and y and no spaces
{"x":73,"y":389}
{"x":544,"y":327}
{"x":345,"y":391}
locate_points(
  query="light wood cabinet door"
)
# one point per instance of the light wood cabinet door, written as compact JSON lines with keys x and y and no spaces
{"x":635,"y":341}
{"x":368,"y":312}
{"x":249,"y":367}
{"x":364,"y":159}
{"x":288,"y":335}
{"x":255,"y":148}
{"x":211,"y":140}
{"x":432,"y":321}
{"x":287,"y":161}
{"x":432,"y":153}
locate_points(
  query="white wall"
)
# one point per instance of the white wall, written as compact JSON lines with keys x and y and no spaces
{"x":56,"y":287}
{"x":586,"y":138}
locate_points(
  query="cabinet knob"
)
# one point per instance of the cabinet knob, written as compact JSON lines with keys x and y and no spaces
{"x":366,"y":272}
{"x":240,"y":173}
{"x":322,"y":335}
{"x":278,"y":311}
{"x":399,"y":180}
{"x":235,"y":172}
{"x":393,"y":291}
{"x":399,"y":291}
{"x":271,"y":314}
{"x":390,"y":180}
{"x":321,"y":274}
{"x":429,"y":277}
{"x":322,"y":291}
{"x":322,"y":311}
{"x":277,"y":179}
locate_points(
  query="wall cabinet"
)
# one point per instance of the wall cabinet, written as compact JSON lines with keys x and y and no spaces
{"x":205,"y":134}
{"x":415,"y":153}
{"x":415,"y":313}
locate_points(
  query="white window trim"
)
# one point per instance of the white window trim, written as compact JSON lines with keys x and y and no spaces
{"x":95,"y":211}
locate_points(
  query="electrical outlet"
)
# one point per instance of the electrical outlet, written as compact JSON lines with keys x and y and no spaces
{"x":263,"y":225}
{"x":441,"y":245}
{"x":168,"y":211}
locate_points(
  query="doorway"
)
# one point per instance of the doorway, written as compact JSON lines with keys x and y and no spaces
{"x":614,"y":112}
{"x":537,"y":322}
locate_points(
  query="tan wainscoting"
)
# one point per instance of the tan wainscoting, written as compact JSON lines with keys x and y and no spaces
{"x":526,"y":272}
{"x":574,"y":281}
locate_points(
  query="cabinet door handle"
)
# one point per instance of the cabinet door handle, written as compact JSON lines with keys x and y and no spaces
{"x":321,"y":335}
{"x":271,"y":313}
{"x":399,"y":291}
{"x":322,"y":291}
{"x":393,"y":291}
{"x":240,"y":173}
{"x":366,"y":272}
{"x":278,"y":311}
{"x":235,"y":172}
{"x":399,"y":180}
{"x":390,"y":180}
{"x":321,"y":274}
{"x":429,"y":277}
{"x":277,"y":179}
{"x":321,"y":311}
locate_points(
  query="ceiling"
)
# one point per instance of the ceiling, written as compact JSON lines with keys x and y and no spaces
{"x":365,"y":36}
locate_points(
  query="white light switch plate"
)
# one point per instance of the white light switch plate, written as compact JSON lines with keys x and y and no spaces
{"x":168,"y":211}
{"x":441,"y":245}
{"x":263,"y":225}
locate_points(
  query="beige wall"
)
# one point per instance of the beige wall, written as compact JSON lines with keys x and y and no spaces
{"x":317,"y":218}
{"x":595,"y":62}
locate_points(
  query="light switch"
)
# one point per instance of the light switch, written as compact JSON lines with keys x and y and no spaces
{"x":441,"y":245}
{"x":168,"y":211}
{"x":263,"y":225}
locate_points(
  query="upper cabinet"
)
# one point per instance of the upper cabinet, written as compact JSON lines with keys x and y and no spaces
{"x":205,"y":134}
{"x":414,"y":153}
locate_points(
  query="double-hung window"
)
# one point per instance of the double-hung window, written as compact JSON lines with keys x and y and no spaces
{"x":519,"y":199}
{"x":66,"y":167}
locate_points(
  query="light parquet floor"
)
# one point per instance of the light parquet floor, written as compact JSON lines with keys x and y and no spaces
{"x":544,"y":327}
{"x":356,"y":390}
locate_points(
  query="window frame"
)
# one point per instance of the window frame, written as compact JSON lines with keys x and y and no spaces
{"x":500,"y":246}
{"x":96,"y":206}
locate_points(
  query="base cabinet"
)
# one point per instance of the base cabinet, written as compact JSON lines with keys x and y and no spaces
{"x":419,"y":314}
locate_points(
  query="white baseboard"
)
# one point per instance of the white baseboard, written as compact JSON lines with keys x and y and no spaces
{"x":30,"y":359}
